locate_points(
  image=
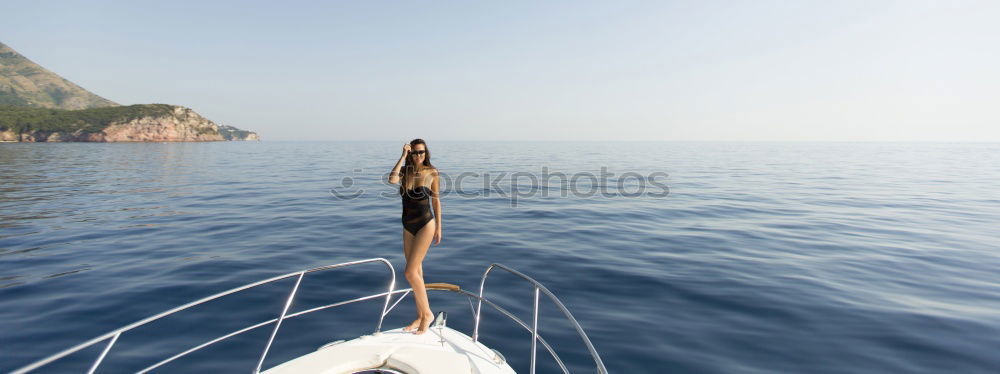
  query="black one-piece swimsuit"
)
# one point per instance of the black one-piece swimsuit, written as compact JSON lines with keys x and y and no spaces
{"x":416,"y":208}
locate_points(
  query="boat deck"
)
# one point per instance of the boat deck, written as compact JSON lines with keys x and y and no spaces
{"x":440,"y":350}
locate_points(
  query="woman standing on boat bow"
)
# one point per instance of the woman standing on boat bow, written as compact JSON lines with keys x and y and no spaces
{"x":418,"y":186}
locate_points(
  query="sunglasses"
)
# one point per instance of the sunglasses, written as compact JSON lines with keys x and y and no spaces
{"x":417,"y":152}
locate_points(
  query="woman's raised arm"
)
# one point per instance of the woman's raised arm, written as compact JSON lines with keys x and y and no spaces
{"x":394,"y":174}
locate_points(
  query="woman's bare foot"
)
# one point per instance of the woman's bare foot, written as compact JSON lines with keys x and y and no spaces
{"x":414,"y":325}
{"x":429,"y":316}
{"x":425,"y":322}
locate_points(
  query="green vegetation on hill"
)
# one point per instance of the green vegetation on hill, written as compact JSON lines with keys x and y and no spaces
{"x":23,"y":119}
{"x":25,"y":83}
{"x":10,"y":97}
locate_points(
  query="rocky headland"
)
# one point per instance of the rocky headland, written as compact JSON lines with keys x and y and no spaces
{"x":137,"y":123}
{"x":37,"y":105}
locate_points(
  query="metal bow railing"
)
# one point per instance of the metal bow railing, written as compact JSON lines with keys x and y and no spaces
{"x":534,"y":324}
{"x":112,"y":336}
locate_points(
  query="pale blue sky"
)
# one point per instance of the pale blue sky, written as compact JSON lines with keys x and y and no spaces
{"x":536,"y":70}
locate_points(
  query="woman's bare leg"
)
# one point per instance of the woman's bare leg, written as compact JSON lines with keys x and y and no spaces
{"x":415,"y":274}
{"x":407,"y":249}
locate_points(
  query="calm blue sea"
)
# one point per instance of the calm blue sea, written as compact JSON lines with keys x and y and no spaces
{"x":745,"y":258}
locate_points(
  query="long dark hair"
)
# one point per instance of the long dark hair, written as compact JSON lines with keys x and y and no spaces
{"x":409,"y":168}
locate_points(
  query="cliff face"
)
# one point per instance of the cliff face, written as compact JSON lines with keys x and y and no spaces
{"x":179,"y":125}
